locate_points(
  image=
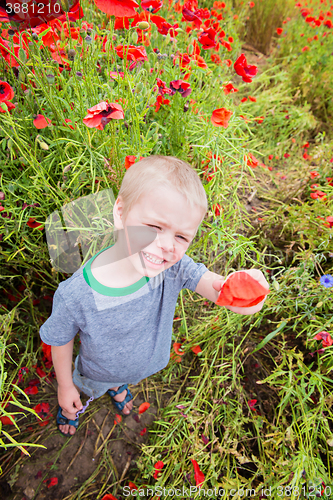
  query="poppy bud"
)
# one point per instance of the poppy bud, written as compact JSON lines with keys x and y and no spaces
{"x":43,"y":145}
{"x":71,"y":54}
{"x":65,"y":5}
{"x":135,"y":37}
{"x":2,"y":195}
{"x":22,"y":55}
{"x":3,"y":106}
{"x":156,"y":137}
{"x":66,"y":169}
{"x":9,"y":144}
{"x":152,"y":100}
{"x":186,"y":106}
{"x":143,"y":25}
{"x":168,"y":38}
{"x":190,"y":49}
{"x":139,"y":87}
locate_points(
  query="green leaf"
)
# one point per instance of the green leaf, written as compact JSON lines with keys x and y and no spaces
{"x":270,"y":336}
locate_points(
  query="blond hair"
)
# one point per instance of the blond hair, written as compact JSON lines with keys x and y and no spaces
{"x":145,"y":175}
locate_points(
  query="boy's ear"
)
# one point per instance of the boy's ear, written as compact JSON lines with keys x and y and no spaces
{"x":117,"y":213}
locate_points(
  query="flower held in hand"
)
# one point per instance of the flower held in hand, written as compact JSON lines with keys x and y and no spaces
{"x":241,"y":290}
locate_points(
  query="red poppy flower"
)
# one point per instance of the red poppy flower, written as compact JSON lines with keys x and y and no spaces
{"x":158,"y":467}
{"x":207,"y":39}
{"x":41,"y":122}
{"x":244,"y":70}
{"x":177,"y":346}
{"x":229,"y":88}
{"x":152,"y":6}
{"x":129,"y":161}
{"x":198,"y":475}
{"x":143,"y":407}
{"x":182,"y":87}
{"x":251,"y":160}
{"x":31,"y":390}
{"x":196,"y":349}
{"x":159,"y":101}
{"x":117,"y":419}
{"x":7,"y":420}
{"x":279,"y":31}
{"x":325,"y":337}
{"x":163,"y":27}
{"x":32,"y":223}
{"x":108,"y":496}
{"x":192,"y":17}
{"x":133,"y":486}
{"x":53,"y":481}
{"x":100,"y":115}
{"x":251,"y":4}
{"x":117,"y":8}
{"x":220,"y":117}
{"x":135,"y":54}
{"x":6,"y":92}
{"x":253,"y":99}
{"x":251,"y":404}
{"x":143,"y":431}
{"x":35,"y":18}
{"x":241,"y":290}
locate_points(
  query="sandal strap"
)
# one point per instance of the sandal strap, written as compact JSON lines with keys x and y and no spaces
{"x":62,"y":420}
{"x":120,"y":404}
{"x":120,"y":390}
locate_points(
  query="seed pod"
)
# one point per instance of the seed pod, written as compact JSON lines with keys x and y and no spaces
{"x":43,"y":145}
{"x":50,"y":78}
{"x":22,"y":55}
{"x":67,"y":168}
{"x":143,"y":25}
{"x":152,"y":100}
{"x":135,"y":37}
{"x":71,"y":54}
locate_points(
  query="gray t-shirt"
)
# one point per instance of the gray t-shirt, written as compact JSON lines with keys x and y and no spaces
{"x":125,"y":333}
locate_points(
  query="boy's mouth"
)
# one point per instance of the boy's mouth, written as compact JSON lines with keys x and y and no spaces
{"x":154,"y":261}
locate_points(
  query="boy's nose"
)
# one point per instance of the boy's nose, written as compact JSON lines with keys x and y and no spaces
{"x":165,"y":243}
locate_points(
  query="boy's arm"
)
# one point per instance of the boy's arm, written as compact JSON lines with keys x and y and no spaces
{"x":68,"y":396}
{"x":210,"y":285}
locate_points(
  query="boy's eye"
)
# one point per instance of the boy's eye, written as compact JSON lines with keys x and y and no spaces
{"x":178,"y":235}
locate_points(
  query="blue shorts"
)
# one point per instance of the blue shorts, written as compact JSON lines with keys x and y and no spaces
{"x":92,"y":388}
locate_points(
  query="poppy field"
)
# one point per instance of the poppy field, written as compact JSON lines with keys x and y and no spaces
{"x":243,"y":92}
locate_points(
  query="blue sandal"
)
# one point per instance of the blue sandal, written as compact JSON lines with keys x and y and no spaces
{"x":62,"y":420}
{"x":120,"y":404}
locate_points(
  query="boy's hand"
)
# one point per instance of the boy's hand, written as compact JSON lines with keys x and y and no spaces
{"x":69,"y":400}
{"x":258,"y":276}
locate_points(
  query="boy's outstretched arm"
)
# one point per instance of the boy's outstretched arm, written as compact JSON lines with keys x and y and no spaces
{"x":210,"y":285}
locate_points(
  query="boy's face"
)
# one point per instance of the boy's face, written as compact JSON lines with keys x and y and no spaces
{"x":166,"y":212}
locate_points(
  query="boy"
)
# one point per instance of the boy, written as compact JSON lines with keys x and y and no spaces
{"x":122,"y":301}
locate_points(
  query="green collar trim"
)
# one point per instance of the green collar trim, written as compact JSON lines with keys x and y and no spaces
{"x":106,"y":290}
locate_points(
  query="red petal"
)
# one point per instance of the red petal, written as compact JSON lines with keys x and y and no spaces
{"x":117,"y":8}
{"x":198,"y":475}
{"x":41,"y":122}
{"x":143,"y":407}
{"x":176,"y":347}
{"x":196,"y":349}
{"x":117,"y":419}
{"x":108,"y":496}
{"x":7,"y":420}
{"x":241,"y":290}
